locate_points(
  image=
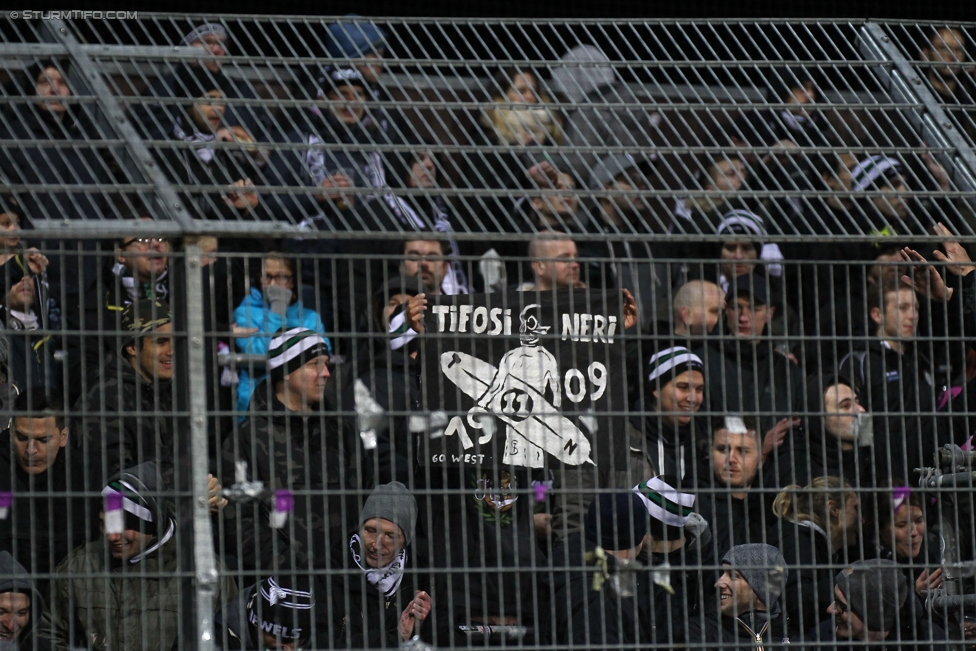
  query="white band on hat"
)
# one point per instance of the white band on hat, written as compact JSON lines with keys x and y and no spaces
{"x":135,"y":509}
{"x":660,"y":513}
{"x":310,"y":341}
{"x":668,"y":364}
{"x":658,"y":485}
{"x":868,"y":171}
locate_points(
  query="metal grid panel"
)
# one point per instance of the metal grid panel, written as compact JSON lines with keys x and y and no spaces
{"x":689,"y":163}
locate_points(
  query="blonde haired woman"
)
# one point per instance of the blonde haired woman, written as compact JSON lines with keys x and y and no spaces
{"x":816,"y":524}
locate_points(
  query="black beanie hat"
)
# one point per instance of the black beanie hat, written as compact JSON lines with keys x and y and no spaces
{"x":142,"y":508}
{"x":282,"y":606}
{"x":616,"y":521}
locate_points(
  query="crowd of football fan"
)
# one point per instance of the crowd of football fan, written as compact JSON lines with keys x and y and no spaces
{"x":784,"y":392}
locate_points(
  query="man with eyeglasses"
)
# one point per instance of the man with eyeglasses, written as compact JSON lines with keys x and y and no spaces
{"x":872,"y":606}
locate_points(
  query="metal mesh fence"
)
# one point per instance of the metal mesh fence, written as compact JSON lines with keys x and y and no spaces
{"x":349,"y":333}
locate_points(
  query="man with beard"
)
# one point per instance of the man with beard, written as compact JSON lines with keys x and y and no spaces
{"x":954,"y":85}
{"x":427,"y":261}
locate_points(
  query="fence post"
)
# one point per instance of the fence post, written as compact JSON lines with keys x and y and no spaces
{"x":900,"y":78}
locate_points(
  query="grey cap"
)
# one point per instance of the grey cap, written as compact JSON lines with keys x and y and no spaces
{"x":875,"y":590}
{"x":392,"y":502}
{"x":609,"y":168}
{"x":764,"y":569}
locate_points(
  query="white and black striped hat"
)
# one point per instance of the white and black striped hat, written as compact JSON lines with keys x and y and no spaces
{"x":742,"y":222}
{"x":866,"y":173}
{"x":291,"y":349}
{"x":673,"y":361}
{"x":669,"y":508}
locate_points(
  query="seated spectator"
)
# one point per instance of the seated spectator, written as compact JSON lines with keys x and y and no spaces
{"x":385,"y":603}
{"x":750,"y":593}
{"x":341,"y":275}
{"x":663,"y":439}
{"x":633,"y":261}
{"x":289,"y":442}
{"x":362,"y":38}
{"x":278,"y":612}
{"x":199,"y":121}
{"x":698,"y":306}
{"x":723,"y":172}
{"x":273,"y":304}
{"x":735,"y":512}
{"x":26,"y":307}
{"x":38,"y":124}
{"x":424,"y":170}
{"x":747,"y":373}
{"x":677,"y":538}
{"x":954,"y":85}
{"x":836,"y":441}
{"x":585,"y":78}
{"x":21,"y":606}
{"x":48,"y":518}
{"x":123,"y":590}
{"x":869,"y":607}
{"x":817,"y":524}
{"x":793,"y":126}
{"x":616,"y":523}
{"x":891,"y":210}
{"x":554,"y":264}
{"x":903,"y":537}
{"x":155,"y":120}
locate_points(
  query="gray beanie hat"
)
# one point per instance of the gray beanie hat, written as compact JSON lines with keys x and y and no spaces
{"x":764,"y":569}
{"x":394,"y":503}
{"x":875,"y":590}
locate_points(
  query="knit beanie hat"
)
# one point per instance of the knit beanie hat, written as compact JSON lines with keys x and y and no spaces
{"x":671,"y":362}
{"x":355,"y":39}
{"x":207,"y":29}
{"x":282,"y":606}
{"x":764,"y":569}
{"x":669,"y":508}
{"x":332,"y":77}
{"x":865,"y":174}
{"x":292,"y":349}
{"x":875,"y":591}
{"x":139,"y":486}
{"x":616,"y":521}
{"x":392,"y":502}
{"x":742,"y":222}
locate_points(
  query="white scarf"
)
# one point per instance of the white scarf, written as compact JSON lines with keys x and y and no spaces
{"x":160,"y":289}
{"x":385,"y":579}
{"x":203,"y":152}
{"x":22,"y":321}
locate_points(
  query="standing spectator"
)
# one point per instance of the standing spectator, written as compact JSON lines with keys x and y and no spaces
{"x":954,"y":85}
{"x":698,"y":307}
{"x":817,"y":524}
{"x":273,"y":304}
{"x":617,"y":523}
{"x":747,"y":372}
{"x":554,"y":264}
{"x":664,"y":436}
{"x":727,"y":496}
{"x":836,"y":438}
{"x":869,"y":607}
{"x":49,"y":517}
{"x":277,"y":612}
{"x":122,"y":591}
{"x":795,"y":126}
{"x":903,"y":537}
{"x":386,"y":601}
{"x":750,"y":590}
{"x":27,"y":306}
{"x":677,"y":537}
{"x":21,"y":606}
{"x":426,"y":260}
{"x":289,"y":442}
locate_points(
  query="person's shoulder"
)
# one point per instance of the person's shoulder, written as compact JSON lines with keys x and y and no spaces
{"x":85,"y":559}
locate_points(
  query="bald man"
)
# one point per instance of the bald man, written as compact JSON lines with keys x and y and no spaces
{"x":554,"y":264}
{"x":698,"y":305}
